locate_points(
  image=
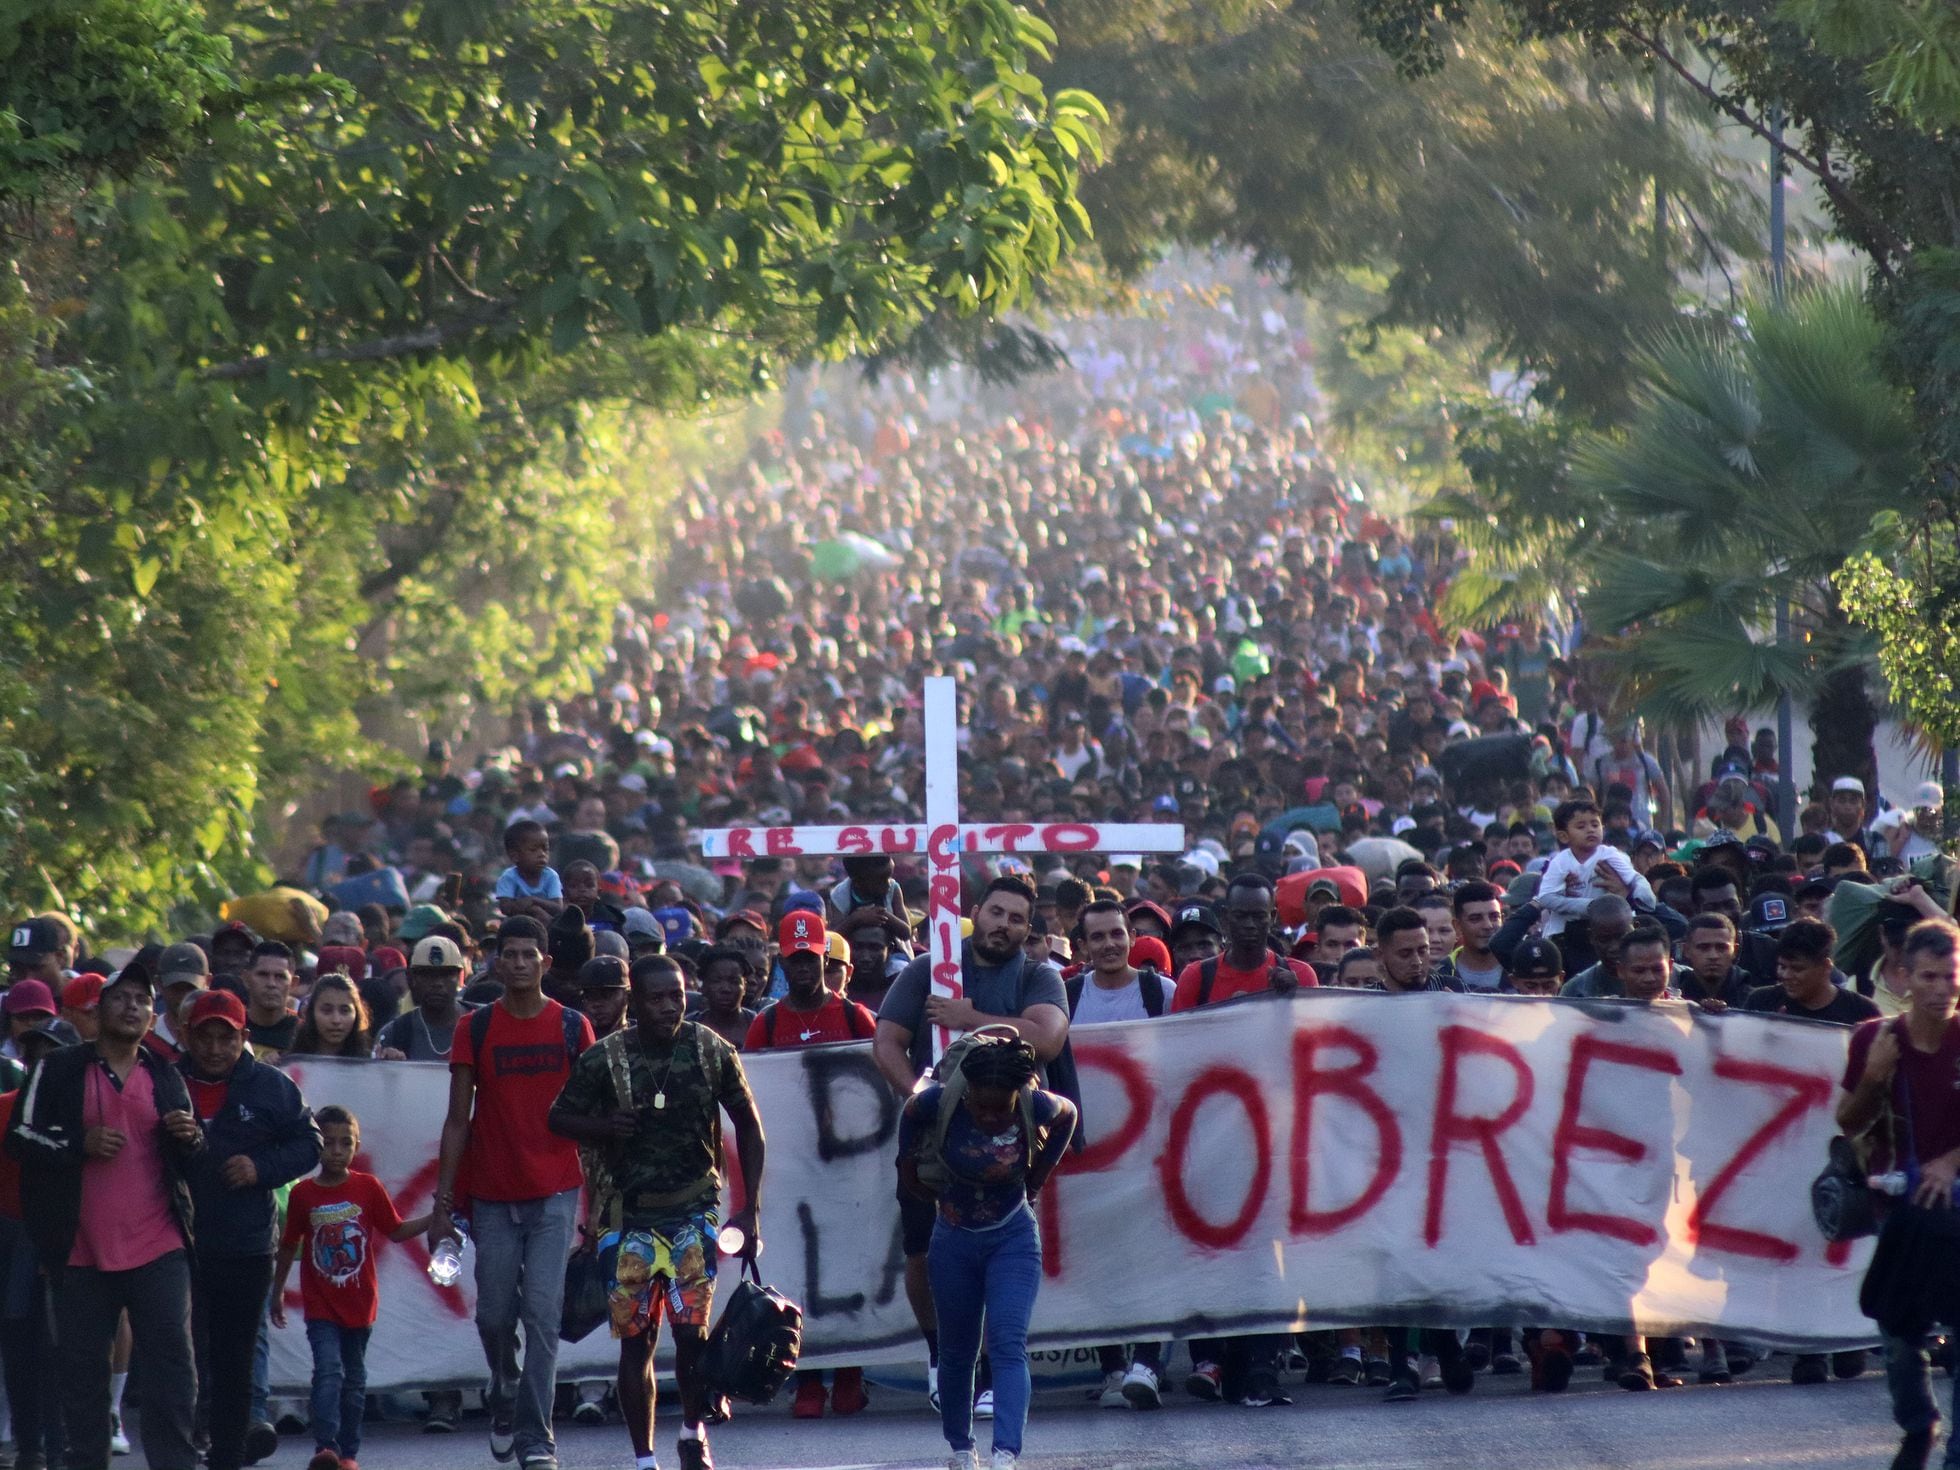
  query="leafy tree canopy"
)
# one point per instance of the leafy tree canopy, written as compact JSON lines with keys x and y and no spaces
{"x":354,"y":395}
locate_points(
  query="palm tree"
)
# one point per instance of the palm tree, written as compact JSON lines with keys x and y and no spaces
{"x":1752,"y":465}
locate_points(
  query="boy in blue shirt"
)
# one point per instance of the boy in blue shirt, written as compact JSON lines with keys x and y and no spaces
{"x":530,"y":884}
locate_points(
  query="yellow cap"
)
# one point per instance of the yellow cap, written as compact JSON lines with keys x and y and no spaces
{"x":838,"y":948}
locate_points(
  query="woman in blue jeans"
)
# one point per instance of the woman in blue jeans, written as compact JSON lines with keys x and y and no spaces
{"x":985,"y":1257}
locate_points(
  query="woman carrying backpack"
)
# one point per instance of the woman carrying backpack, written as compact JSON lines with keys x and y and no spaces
{"x":986,"y":1139}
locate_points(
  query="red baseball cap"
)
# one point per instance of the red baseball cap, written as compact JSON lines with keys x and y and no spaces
{"x":216,"y":1005}
{"x":83,"y":993}
{"x":348,"y":957}
{"x":802,"y":932}
{"x":29,"y":998}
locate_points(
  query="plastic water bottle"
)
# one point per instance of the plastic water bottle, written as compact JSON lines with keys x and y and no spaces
{"x":731,"y":1240}
{"x":446,"y":1262}
{"x":1900,"y":1182}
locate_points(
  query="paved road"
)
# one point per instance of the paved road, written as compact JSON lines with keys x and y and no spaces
{"x":1764,"y":1424}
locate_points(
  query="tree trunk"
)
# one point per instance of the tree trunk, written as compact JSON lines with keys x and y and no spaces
{"x":1843,"y":720}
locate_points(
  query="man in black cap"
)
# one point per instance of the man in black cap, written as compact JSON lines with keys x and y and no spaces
{"x":104,"y":1138}
{"x":34,"y":951}
{"x":1196,"y":935}
{"x":603,"y":992}
{"x":182,"y":971}
{"x":1536,"y":967}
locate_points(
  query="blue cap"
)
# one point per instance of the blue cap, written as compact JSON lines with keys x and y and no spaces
{"x":1164,"y":803}
{"x":676,"y":924}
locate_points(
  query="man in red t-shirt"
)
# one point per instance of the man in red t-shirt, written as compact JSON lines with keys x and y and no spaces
{"x":809,"y":1013}
{"x":808,"y":1016}
{"x":507,"y":1063}
{"x":1243,"y":1368}
{"x":1899,"y":1085}
{"x":1248,"y":965}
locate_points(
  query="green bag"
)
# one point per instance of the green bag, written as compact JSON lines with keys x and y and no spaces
{"x":930,"y":1152}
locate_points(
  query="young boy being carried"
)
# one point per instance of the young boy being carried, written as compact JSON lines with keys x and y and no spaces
{"x":1566,"y":887}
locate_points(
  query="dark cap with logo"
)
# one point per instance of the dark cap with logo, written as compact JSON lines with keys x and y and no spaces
{"x":602,"y":972}
{"x":1536,"y":959}
{"x":1203,"y":915}
{"x":31,"y":938}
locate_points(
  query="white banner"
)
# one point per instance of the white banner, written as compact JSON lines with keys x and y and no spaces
{"x":1340,"y":1157}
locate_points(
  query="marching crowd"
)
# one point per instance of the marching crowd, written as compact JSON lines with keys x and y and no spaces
{"x":1164,"y":602}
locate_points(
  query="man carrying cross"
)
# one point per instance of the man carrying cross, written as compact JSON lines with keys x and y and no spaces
{"x":1000,"y":987}
{"x":955,"y":986}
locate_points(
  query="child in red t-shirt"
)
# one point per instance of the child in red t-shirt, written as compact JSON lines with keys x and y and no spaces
{"x":338,"y":1216}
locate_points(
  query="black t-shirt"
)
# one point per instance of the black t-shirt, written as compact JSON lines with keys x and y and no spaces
{"x":276,"y":1037}
{"x":1846,"y":1008}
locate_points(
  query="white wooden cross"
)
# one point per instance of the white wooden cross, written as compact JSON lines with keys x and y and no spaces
{"x":942,"y":838}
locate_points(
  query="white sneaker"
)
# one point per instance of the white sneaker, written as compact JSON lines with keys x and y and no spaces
{"x":1111,"y":1396}
{"x":983,"y":1404}
{"x":1004,"y":1460}
{"x":1140,"y":1388}
{"x":932,"y":1388}
{"x":964,"y":1460}
{"x":118,"y":1441}
{"x":1430,"y":1371}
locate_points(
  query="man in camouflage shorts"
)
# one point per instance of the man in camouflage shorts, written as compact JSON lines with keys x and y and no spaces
{"x":649,"y":1102}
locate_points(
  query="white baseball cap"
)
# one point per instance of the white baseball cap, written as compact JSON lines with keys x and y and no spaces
{"x":435,"y":952}
{"x":1928,"y":796}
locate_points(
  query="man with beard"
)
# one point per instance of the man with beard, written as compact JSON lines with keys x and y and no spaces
{"x":999,"y":988}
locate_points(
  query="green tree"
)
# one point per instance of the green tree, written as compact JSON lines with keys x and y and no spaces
{"x":322,"y":401}
{"x":1527,"y":200}
{"x":1755,"y":459}
{"x":1864,"y":94}
{"x":1910,"y":52}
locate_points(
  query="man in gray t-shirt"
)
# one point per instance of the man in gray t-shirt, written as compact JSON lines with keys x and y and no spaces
{"x":1001,"y":989}
{"x":1111,"y":989}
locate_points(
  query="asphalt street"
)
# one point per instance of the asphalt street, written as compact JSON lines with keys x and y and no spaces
{"x":1762,"y":1422}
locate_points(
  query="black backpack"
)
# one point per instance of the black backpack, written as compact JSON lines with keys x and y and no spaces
{"x":1153,"y":986}
{"x":753,"y":1349}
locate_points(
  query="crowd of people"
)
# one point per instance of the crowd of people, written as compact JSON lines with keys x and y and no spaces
{"x":1164,"y":601}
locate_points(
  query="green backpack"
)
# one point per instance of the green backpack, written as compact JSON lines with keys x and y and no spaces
{"x":930,"y":1152}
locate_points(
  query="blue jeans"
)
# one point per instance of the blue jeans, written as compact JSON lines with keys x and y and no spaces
{"x":1909,"y":1375}
{"x":995,"y":1274}
{"x":521,"y":1249}
{"x":339,"y":1385}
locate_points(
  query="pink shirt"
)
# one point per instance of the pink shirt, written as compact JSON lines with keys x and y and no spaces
{"x":126,"y":1218}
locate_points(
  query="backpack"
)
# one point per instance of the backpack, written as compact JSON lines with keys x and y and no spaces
{"x":1155,"y":994}
{"x":605,"y":1208}
{"x":850,"y":1022}
{"x":753,"y":1349}
{"x":1208,"y":976}
{"x":930,"y":1154}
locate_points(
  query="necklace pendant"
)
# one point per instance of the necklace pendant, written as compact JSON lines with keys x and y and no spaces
{"x":659,"y":1101}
